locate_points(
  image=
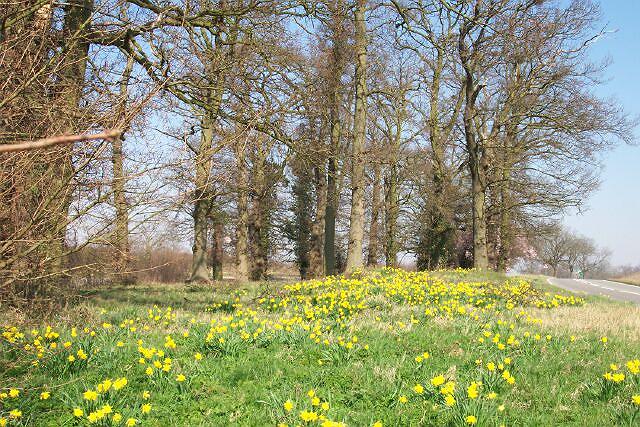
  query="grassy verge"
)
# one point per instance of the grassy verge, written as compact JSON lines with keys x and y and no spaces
{"x":633,"y":279}
{"x":389,"y":347}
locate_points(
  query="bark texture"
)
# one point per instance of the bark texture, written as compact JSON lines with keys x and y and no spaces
{"x":356,"y":219}
{"x":242,"y":230}
{"x":374,"y":239}
{"x":202,"y":203}
{"x":316,"y":254}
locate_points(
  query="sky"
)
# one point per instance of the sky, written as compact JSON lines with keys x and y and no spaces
{"x":612,"y":217}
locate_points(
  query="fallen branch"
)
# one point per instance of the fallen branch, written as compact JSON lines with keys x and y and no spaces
{"x":56,"y":140}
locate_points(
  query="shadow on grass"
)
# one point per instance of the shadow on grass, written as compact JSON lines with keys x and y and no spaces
{"x":178,"y":296}
{"x":191,"y":297}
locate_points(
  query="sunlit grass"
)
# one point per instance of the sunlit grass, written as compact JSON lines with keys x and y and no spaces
{"x":390,"y":347}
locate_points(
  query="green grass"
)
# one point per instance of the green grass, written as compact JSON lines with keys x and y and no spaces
{"x":246,"y":382}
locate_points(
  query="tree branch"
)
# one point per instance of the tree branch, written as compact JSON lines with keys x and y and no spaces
{"x":57,"y":140}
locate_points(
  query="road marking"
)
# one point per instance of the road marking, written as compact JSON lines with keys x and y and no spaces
{"x":575,"y":287}
{"x":622,"y":285}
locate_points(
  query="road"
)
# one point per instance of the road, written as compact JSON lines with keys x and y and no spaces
{"x":607,"y":288}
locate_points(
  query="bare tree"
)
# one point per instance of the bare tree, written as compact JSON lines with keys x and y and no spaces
{"x":552,"y":248}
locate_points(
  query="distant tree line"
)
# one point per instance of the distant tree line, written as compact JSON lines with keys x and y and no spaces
{"x":563,"y":252}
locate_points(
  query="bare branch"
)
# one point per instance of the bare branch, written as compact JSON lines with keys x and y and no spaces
{"x":58,"y":140}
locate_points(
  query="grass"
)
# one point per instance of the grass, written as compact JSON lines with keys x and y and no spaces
{"x":357,"y":344}
{"x":631,"y":279}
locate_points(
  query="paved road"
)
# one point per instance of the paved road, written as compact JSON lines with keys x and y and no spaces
{"x":614,"y":290}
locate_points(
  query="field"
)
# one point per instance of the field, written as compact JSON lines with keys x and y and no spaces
{"x":386,"y":347}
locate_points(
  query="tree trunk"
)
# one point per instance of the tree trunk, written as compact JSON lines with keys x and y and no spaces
{"x":242,"y":231}
{"x":121,"y":233}
{"x":335,"y":125}
{"x":258,"y":247}
{"x":330,"y":217}
{"x":217,"y":253}
{"x":438,"y":234}
{"x":391,"y":216}
{"x":392,"y":204}
{"x":480,"y":253}
{"x":509,"y":153}
{"x":202,"y":203}
{"x":199,"y":265}
{"x":372,"y":253}
{"x":356,"y":220}
{"x":475,"y":153}
{"x":316,"y":260}
{"x":505,"y":223}
{"x":258,"y":217}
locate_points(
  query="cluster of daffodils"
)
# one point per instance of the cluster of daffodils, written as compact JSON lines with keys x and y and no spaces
{"x":313,"y":410}
{"x":340,"y":298}
{"x":617,"y":377}
{"x":45,"y":345}
{"x":7,"y":400}
{"x":228,"y":305}
{"x":160,"y":316}
{"x":442,"y":391}
{"x":96,"y":406}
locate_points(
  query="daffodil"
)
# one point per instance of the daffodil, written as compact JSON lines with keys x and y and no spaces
{"x":472,"y":390}
{"x":438,"y":380}
{"x":90,"y":395}
{"x":288,"y":405}
{"x":449,"y":400}
{"x":119,"y":383}
{"x":308,"y":416}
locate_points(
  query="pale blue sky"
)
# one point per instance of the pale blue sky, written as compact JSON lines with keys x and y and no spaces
{"x":613,"y":215}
